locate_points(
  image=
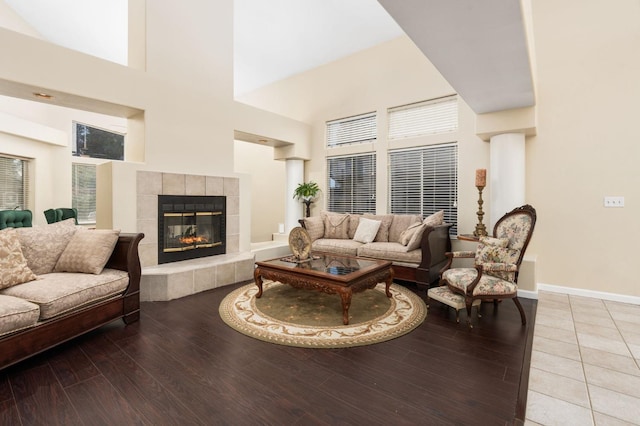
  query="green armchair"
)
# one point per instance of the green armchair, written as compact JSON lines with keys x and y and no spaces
{"x":15,"y":218}
{"x":56,"y":215}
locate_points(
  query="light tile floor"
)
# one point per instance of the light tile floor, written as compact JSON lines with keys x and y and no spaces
{"x":585,"y":362}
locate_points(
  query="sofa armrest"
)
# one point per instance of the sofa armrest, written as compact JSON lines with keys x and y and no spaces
{"x":125,"y":258}
{"x":435,"y":243}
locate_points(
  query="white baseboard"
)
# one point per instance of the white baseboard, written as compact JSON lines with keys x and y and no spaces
{"x":528,"y":294}
{"x":634,"y":300}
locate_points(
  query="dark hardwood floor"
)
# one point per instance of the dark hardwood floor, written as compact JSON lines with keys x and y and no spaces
{"x":181,"y":365}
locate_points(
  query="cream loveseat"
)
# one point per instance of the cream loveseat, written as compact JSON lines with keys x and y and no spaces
{"x":59,"y":281}
{"x":416,"y":247}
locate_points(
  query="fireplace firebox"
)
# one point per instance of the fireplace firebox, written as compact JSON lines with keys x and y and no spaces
{"x":190,"y":226}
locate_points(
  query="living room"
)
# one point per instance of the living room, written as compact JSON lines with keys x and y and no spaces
{"x":177,"y":98}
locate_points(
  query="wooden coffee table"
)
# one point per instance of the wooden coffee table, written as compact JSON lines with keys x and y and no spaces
{"x":331,"y":274}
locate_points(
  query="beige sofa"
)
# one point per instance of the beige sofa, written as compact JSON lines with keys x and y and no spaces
{"x":414,"y":245}
{"x":59,"y":281}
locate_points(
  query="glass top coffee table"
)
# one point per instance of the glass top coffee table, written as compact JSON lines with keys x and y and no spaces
{"x":329,"y":273}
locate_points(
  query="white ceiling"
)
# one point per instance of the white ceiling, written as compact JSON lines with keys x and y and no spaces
{"x":479,"y":47}
{"x":276,"y":39}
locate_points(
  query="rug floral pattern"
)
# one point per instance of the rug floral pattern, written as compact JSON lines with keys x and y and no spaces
{"x":406,"y":311}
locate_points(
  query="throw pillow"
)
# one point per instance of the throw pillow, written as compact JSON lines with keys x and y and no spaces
{"x":367,"y":230}
{"x":495,"y":250}
{"x":412,"y":236}
{"x":336,"y":225}
{"x":354,"y":221}
{"x":385,"y":223}
{"x":314,"y":226}
{"x":88,"y":251}
{"x":496,"y":242}
{"x":43,"y":245}
{"x":13,"y":265}
{"x":435,"y":219}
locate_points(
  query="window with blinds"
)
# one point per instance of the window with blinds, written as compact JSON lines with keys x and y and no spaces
{"x":352,"y":130}
{"x":425,"y":180}
{"x":83,"y":187}
{"x":352,"y":184}
{"x":424,"y":118}
{"x":14,"y":183}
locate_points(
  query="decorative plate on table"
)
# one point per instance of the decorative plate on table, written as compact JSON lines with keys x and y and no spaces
{"x":300,"y":243}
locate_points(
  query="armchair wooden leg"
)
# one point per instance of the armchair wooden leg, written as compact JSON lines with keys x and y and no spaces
{"x":524,"y":318}
{"x":469,"y":303}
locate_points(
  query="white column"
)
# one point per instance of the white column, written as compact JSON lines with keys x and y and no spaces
{"x":293,"y":208}
{"x":506,"y":175}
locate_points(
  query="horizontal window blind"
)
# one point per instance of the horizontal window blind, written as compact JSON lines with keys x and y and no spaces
{"x":424,"y":118}
{"x":424,"y":181}
{"x":14,"y":183}
{"x":83,"y":187}
{"x":351,"y":130}
{"x":352,"y":184}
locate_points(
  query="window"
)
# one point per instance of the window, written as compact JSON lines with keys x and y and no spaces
{"x":14,"y":183}
{"x":352,"y":130}
{"x":83,"y":187}
{"x":97,"y":143}
{"x":424,"y":118}
{"x":425,"y":180}
{"x":352,"y":184}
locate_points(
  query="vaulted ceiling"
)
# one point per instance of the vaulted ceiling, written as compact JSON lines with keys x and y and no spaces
{"x":480,"y":47}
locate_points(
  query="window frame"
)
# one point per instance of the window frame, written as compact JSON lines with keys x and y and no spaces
{"x":74,"y":201}
{"x":359,"y":201}
{"x":425,"y":118}
{"x":74,"y":148}
{"x":23,"y":200}
{"x":357,"y":129}
{"x":430,"y":181}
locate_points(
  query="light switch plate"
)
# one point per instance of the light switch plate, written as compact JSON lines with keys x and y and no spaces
{"x":614,"y":201}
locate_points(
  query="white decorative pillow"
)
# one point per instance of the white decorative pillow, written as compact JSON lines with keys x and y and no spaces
{"x":43,"y":245}
{"x":414,"y":234}
{"x":405,"y":236}
{"x":367,"y":230}
{"x":88,"y":251}
{"x":13,"y":265}
{"x":385,"y":222}
{"x":435,"y":219}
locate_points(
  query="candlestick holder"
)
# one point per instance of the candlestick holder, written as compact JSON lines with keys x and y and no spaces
{"x":481,"y":230}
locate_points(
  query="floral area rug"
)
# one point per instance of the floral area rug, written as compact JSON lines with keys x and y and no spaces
{"x":305,"y":318}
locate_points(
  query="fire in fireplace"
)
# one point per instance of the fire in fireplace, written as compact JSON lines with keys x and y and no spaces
{"x":190,"y":226}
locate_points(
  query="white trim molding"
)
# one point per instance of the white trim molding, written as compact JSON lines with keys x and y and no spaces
{"x":634,"y":300}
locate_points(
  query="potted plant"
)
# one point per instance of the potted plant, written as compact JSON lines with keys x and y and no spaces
{"x":306,"y":192}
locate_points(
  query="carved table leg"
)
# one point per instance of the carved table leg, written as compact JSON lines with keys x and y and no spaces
{"x":388,"y":282}
{"x":258,"y":280}
{"x":346,"y":303}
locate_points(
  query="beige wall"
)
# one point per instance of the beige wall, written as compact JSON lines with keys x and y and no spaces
{"x":587,"y":143}
{"x":268,"y":198}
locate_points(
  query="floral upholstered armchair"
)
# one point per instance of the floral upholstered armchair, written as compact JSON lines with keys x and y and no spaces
{"x":497,"y":262}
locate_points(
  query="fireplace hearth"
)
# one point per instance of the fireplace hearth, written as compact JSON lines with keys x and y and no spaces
{"x":190,"y":227}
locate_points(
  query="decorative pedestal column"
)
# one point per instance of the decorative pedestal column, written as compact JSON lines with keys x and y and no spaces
{"x":507,"y":174}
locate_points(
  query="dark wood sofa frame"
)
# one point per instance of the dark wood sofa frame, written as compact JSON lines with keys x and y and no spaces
{"x":436,"y":241}
{"x":23,"y":344}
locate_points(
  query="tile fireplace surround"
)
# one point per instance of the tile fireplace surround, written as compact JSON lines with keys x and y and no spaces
{"x":178,"y":279}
